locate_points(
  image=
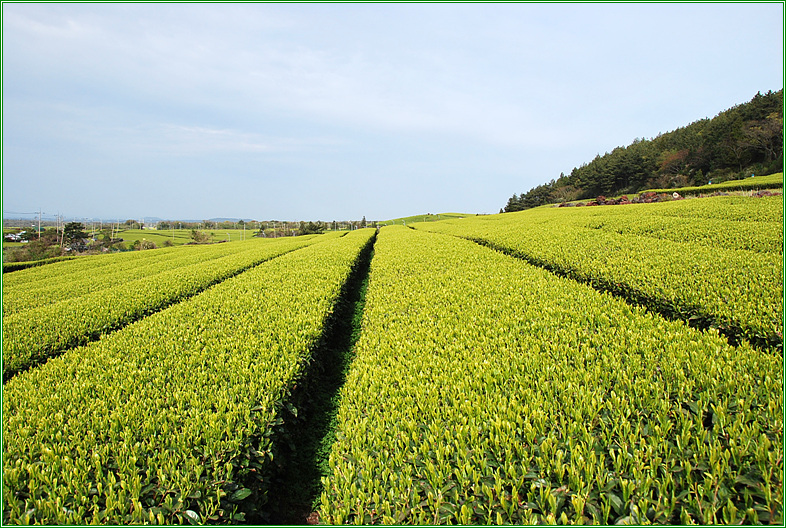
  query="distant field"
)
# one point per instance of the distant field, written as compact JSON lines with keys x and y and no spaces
{"x":181,"y":236}
{"x":424,"y":218}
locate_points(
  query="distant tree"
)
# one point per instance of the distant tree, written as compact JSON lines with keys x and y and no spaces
{"x":734,"y":145}
{"x":363,"y":222}
{"x":566,"y":193}
{"x":764,"y":135}
{"x":74,"y":232}
{"x":672,"y":162}
{"x":513,"y":204}
{"x":143,"y":244}
{"x":310,"y":228}
{"x":199,"y":237}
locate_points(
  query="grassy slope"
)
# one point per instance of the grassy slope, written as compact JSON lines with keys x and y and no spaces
{"x":752,"y":183}
{"x":769,"y":181}
{"x":423,"y":218}
{"x":181,"y":236}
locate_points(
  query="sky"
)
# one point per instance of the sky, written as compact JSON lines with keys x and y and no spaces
{"x":328,"y":112}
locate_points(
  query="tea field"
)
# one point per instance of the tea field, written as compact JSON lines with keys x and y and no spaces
{"x":605,"y":365}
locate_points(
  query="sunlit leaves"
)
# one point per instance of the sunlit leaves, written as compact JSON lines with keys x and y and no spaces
{"x":487,"y":391}
{"x":716,"y":262}
{"x":72,"y":319}
{"x":171,"y":420}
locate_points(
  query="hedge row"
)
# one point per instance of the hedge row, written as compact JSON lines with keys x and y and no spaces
{"x":488,"y":391}
{"x":8,"y":267}
{"x":32,"y":336}
{"x":172,"y":419}
{"x":770,"y":181}
{"x":104,"y":275}
{"x":738,"y":291}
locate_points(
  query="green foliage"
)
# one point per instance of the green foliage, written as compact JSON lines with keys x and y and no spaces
{"x":143,"y":244}
{"x":40,"y":246}
{"x":47,"y":329}
{"x":406,"y":220}
{"x":488,"y":391}
{"x":174,"y":419}
{"x":16,"y":266}
{"x":199,"y":237}
{"x":312,"y":228}
{"x":714,"y":261}
{"x":74,"y":232}
{"x":744,"y":139}
{"x":755,"y":183}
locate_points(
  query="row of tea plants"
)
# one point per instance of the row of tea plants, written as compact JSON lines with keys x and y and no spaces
{"x":735,"y":290}
{"x":31,"y":336}
{"x":489,"y":391}
{"x":172,"y":419}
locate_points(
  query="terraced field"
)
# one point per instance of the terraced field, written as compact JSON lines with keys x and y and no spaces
{"x":602,"y":365}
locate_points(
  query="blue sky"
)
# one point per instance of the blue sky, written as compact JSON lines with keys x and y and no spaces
{"x":337,"y":111}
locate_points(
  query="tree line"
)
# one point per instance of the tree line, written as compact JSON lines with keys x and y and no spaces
{"x":268,"y":228}
{"x":743,"y":140}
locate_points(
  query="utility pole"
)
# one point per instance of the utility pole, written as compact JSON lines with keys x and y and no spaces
{"x":60,"y":230}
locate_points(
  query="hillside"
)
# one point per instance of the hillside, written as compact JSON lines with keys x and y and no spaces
{"x":428,"y":217}
{"x":743,"y":140}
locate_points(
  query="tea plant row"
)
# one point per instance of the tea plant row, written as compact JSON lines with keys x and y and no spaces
{"x":686,"y":224}
{"x":31,"y":293}
{"x":172,"y":419}
{"x":8,"y":267}
{"x":735,"y":290}
{"x":727,"y":208}
{"x":488,"y":391}
{"x":39,"y":276}
{"x":770,"y":181}
{"x":33,"y":335}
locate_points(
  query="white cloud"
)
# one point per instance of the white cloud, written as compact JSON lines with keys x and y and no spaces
{"x":426,"y":93}
{"x":186,"y":139}
{"x":206,"y":59}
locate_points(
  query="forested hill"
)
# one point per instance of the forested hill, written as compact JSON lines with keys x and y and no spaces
{"x":745,"y":139}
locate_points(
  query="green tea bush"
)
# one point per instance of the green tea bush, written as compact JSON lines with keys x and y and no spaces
{"x":488,"y":391}
{"x":31,"y":336}
{"x":173,"y":419}
{"x":709,"y":276}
